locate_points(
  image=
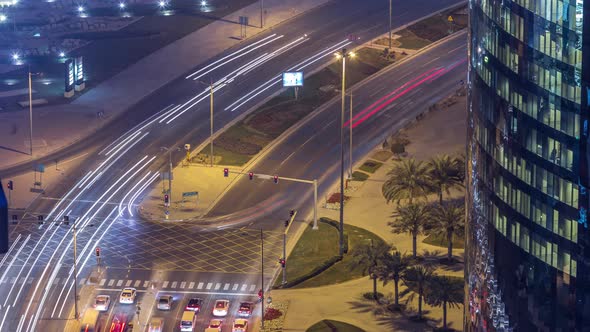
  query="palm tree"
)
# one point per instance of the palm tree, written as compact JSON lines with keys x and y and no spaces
{"x":459,"y":161}
{"x":443,"y":291}
{"x":448,"y":220}
{"x":368,"y":257}
{"x":407,"y":179}
{"x":392,"y":268}
{"x":411,"y":219}
{"x":444,"y":174}
{"x":416,"y":279}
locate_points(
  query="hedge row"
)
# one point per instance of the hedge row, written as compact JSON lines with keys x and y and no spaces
{"x":336,"y":225}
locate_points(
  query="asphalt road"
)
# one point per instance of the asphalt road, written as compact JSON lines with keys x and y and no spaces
{"x":117,"y":174}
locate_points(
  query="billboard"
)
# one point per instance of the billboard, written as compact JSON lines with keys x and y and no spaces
{"x":69,"y":75}
{"x":79,"y":70}
{"x":293,"y":79}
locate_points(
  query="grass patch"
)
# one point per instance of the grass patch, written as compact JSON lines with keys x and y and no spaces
{"x":333,"y":326}
{"x":410,"y":40}
{"x":370,"y":166}
{"x":225,"y":157}
{"x":313,"y":248}
{"x":382,"y":155}
{"x":359,"y":176}
{"x":441,"y":241}
{"x":373,"y":57}
{"x":341,"y":271}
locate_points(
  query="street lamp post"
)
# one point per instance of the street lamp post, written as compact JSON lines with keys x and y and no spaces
{"x":350,"y":136}
{"x":389,"y":26}
{"x":262,"y":276}
{"x":76,"y":313}
{"x":343,"y":55}
{"x":31,"y":113}
{"x":261,"y":14}
{"x":211,"y":116}
{"x":169,"y":150}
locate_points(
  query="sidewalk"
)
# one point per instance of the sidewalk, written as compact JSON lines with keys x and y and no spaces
{"x":367,"y":209}
{"x":121,"y":92}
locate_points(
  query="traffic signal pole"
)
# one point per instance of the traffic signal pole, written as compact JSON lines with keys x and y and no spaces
{"x":76,"y":313}
{"x":294,"y":213}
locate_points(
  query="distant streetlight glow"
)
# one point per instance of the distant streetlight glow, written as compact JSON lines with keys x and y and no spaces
{"x":2,"y":18}
{"x":203,"y":3}
{"x":162,"y":4}
{"x":62,"y":55}
{"x":15,"y":56}
{"x":80,"y":9}
{"x":122,"y":5}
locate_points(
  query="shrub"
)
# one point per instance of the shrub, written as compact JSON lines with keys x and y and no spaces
{"x":272,"y":313}
{"x":319,"y":269}
{"x":359,"y":176}
{"x":398,"y":148}
{"x":369,"y":296}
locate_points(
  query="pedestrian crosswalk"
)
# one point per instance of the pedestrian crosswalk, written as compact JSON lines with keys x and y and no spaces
{"x":183,"y":285}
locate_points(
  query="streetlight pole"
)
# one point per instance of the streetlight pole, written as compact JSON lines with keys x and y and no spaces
{"x":261,"y":14}
{"x":389,"y":26}
{"x":30,"y":113}
{"x":350,"y":134}
{"x":262,"y":276}
{"x":211,"y":116}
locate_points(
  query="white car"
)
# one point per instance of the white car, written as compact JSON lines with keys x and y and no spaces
{"x":102,"y":302}
{"x":221,"y":308}
{"x":240,"y":325}
{"x":156,"y":324}
{"x":128,"y":295}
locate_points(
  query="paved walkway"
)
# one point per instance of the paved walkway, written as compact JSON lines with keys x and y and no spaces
{"x":117,"y":94}
{"x":368,"y":209}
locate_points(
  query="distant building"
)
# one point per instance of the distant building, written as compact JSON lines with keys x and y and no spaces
{"x":528,"y":245}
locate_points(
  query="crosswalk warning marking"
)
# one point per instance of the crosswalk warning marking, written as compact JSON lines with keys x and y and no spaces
{"x":128,"y":283}
{"x":102,"y":282}
{"x":252,"y":288}
{"x":244,"y":286}
{"x":183,"y":284}
{"x":120,"y":283}
{"x":226,"y":287}
{"x":217,"y":286}
{"x":200,"y":286}
{"x":146,"y":283}
{"x":235,"y":287}
{"x":111,"y":282}
{"x":209,"y":285}
{"x":137,"y":283}
{"x":174,"y":283}
{"x":165,"y":284}
{"x":191,"y":284}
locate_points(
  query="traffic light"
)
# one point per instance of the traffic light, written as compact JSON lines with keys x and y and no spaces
{"x":40,"y":220}
{"x":226,"y":172}
{"x":97,"y":252}
{"x":10,"y":185}
{"x":282,"y":261}
{"x":166,"y":199}
{"x":276,"y":179}
{"x":66,"y":220}
{"x":14,"y":219}
{"x":251,"y":175}
{"x":292,"y":213}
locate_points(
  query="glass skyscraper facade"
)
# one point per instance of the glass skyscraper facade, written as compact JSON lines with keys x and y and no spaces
{"x":528,"y":245}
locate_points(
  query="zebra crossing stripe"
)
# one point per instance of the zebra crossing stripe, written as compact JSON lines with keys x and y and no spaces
{"x":128,"y":283}
{"x":165,"y":284}
{"x":174,"y":283}
{"x":102,"y":282}
{"x":252,"y":288}
{"x":226,"y":287}
{"x":111,"y":282}
{"x":235,"y":287}
{"x":136,"y":284}
{"x":217,"y":286}
{"x":183,"y":284}
{"x":120,"y":283}
{"x":209,"y":285}
{"x":200,"y":286}
{"x":146,"y":283}
{"x":191,"y":284}
{"x":244,"y":286}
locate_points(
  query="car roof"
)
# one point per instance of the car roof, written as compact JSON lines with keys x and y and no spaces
{"x":240,"y":321}
{"x":221,"y":301}
{"x":102,"y":296}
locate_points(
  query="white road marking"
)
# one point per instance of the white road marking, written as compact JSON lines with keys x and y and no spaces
{"x":217,"y":286}
{"x":137,"y":283}
{"x":191,"y":284}
{"x":244,"y":287}
{"x":174,"y":283}
{"x":235,"y":287}
{"x":128,"y":283}
{"x":226,"y":287}
{"x":183,"y":284}
{"x":120,"y":283}
{"x":111,"y":282}
{"x":252,"y":288}
{"x":200,"y":286}
{"x":209,"y":285}
{"x":102,"y":282}
{"x":165,"y":284}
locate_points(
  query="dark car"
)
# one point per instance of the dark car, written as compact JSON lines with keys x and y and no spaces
{"x":245,"y":309}
{"x":194,"y":304}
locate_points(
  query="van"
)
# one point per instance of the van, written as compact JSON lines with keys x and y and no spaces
{"x":188,"y":320}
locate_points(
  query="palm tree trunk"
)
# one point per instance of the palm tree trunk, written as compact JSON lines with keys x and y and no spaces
{"x":375,"y":289}
{"x":395,"y":284}
{"x":450,"y":247}
{"x":440,"y":196}
{"x":444,"y":315}
{"x":420,"y":305}
{"x":414,"y":248}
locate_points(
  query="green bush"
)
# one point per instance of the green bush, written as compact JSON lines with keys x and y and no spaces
{"x":359,"y":176}
{"x":369,"y":296}
{"x":398,"y":148}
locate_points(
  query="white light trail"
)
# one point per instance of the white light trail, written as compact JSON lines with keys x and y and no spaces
{"x":230,"y":55}
{"x":142,"y":188}
{"x":131,"y":190}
